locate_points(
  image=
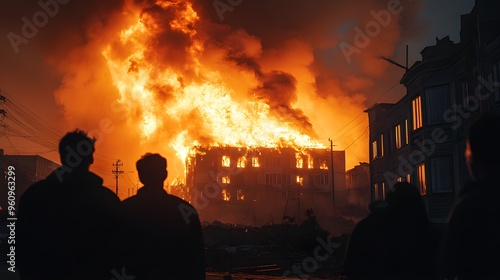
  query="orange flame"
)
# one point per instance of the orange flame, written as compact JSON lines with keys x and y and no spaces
{"x":223,"y":120}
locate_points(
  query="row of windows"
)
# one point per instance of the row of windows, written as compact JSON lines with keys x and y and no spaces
{"x":399,"y":138}
{"x":437,"y":101}
{"x":228,"y":195}
{"x":441,"y":178}
{"x":278,"y":162}
{"x":241,"y":162}
{"x":285,"y":179}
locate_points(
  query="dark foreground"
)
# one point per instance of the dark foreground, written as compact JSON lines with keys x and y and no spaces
{"x":284,"y":251}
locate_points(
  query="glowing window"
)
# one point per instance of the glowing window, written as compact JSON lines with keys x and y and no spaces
{"x":240,"y":195}
{"x":255,"y":162}
{"x":310,"y":163}
{"x":421,"y":179}
{"x":407,"y":134}
{"x":225,"y":180}
{"x":226,"y":196}
{"x":374,"y":150}
{"x":397,"y":137}
{"x":323,"y":164}
{"x":226,"y":161}
{"x":241,"y":162}
{"x":416,"y":108}
{"x":299,"y":161}
{"x":300,"y":180}
{"x":381,"y":145}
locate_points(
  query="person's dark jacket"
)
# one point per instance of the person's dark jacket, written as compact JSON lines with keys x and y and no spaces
{"x":65,"y":228}
{"x":472,"y":237}
{"x":394,"y":242}
{"x":367,"y":254}
{"x":164,"y":237}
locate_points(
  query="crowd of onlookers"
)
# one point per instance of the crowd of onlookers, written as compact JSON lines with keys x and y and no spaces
{"x":70,"y":226}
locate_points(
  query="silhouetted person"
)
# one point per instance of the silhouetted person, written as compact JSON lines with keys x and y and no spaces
{"x":472,"y":238}
{"x":164,"y":238}
{"x":396,"y":241}
{"x":366,"y":256}
{"x":66,"y":222}
{"x":413,"y":241}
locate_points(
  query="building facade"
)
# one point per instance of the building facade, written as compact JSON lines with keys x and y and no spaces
{"x":258,"y":186}
{"x":421,"y":138}
{"x":358,"y":185}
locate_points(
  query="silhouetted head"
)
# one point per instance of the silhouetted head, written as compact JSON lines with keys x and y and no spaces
{"x":483,"y":146}
{"x":404,"y":199}
{"x":76,"y":150}
{"x":152,"y":169}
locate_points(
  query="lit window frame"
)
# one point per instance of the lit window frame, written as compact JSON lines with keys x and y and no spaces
{"x":398,"y":137}
{"x":421,"y":179}
{"x":416,"y":110}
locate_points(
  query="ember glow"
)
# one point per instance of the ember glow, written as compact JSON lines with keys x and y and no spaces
{"x":207,"y":110}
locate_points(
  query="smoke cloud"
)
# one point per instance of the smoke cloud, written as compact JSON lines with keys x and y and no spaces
{"x":285,"y":52}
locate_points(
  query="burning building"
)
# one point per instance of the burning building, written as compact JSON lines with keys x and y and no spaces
{"x":258,"y":186}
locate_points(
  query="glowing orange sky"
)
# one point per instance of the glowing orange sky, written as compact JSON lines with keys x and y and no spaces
{"x":158,"y":76}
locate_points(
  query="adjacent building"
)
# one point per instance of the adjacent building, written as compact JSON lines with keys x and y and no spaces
{"x":28,"y":169}
{"x":358,"y":185}
{"x":421,"y":138}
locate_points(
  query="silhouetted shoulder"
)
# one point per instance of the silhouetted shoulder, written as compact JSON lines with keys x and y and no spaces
{"x":107,"y":194}
{"x":41,"y":186}
{"x":179,"y":201}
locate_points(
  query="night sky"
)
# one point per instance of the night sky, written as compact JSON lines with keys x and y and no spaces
{"x":291,"y":53}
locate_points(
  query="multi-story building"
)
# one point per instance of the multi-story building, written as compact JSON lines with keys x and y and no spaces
{"x":28,"y":169}
{"x":421,"y":138}
{"x":358,"y":185}
{"x":259,"y":186}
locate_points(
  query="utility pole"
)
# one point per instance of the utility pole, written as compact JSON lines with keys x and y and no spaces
{"x":117,"y":172}
{"x":333,"y":176}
